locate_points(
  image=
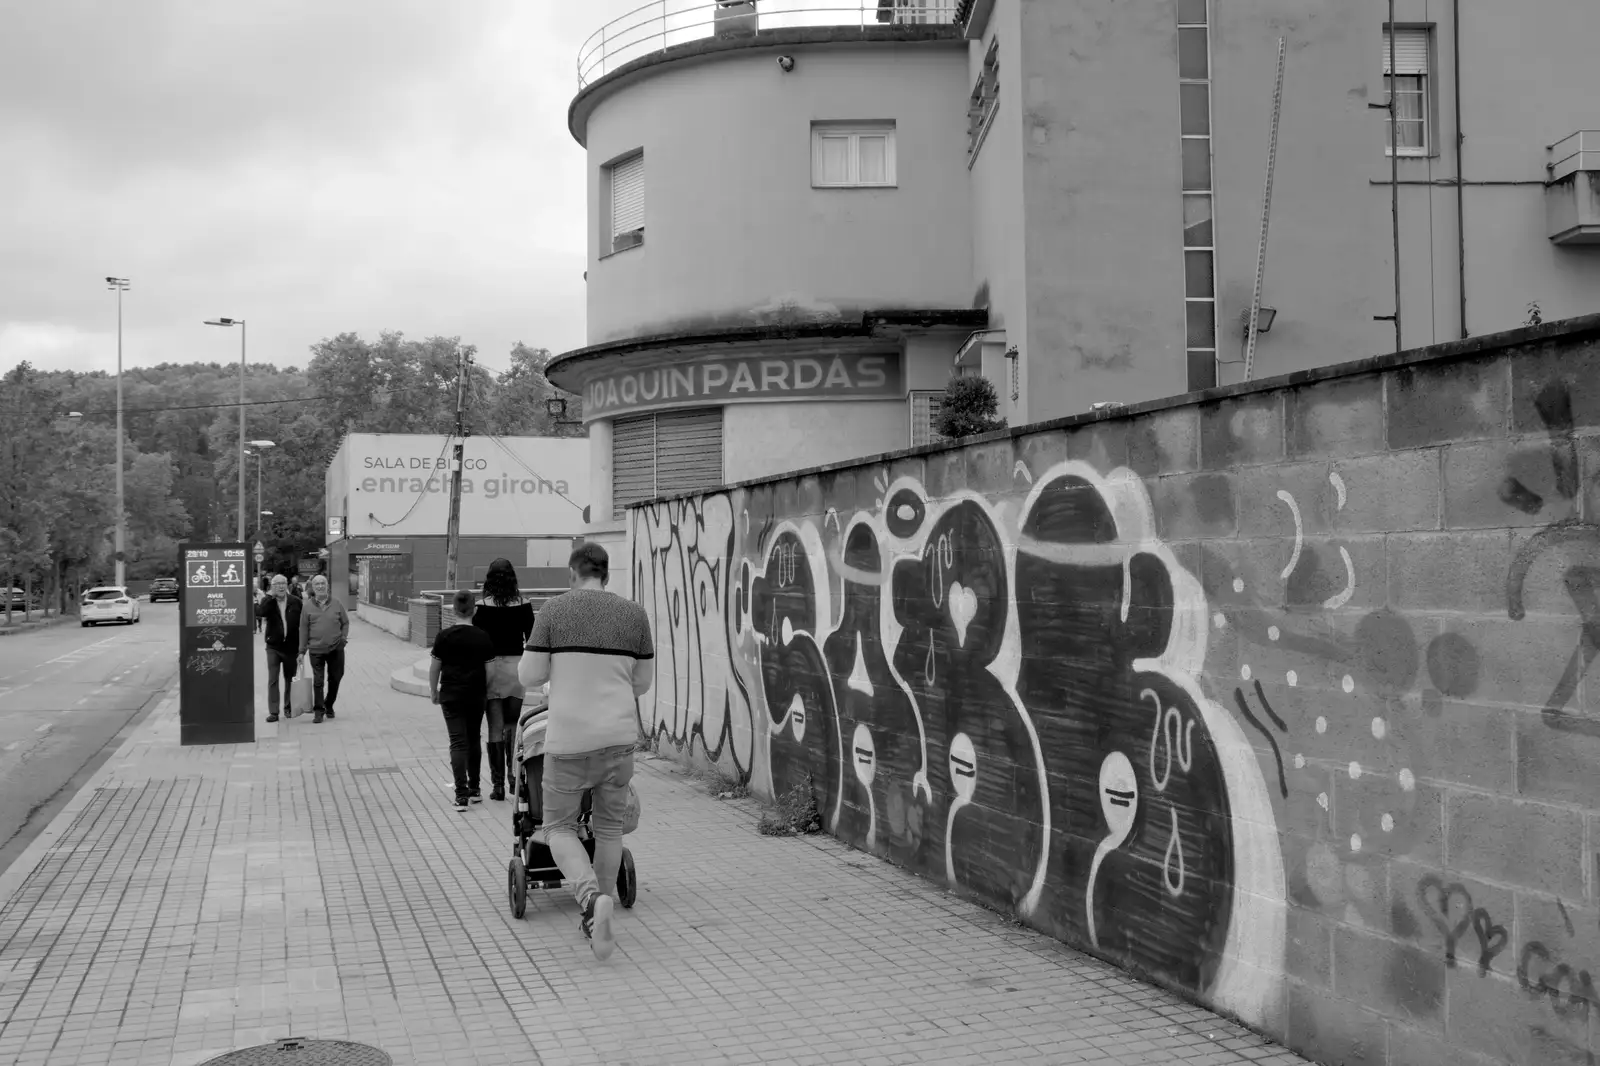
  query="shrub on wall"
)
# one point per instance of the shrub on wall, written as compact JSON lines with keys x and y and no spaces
{"x":968,"y":408}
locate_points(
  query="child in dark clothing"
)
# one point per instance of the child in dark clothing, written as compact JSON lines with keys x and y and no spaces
{"x":457,"y":675}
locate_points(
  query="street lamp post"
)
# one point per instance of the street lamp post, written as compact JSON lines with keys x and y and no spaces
{"x":240,"y":323}
{"x":260,"y":446}
{"x":121,"y":286}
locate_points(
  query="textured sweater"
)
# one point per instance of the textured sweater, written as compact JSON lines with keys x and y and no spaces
{"x":324,"y":627}
{"x":595,"y":649}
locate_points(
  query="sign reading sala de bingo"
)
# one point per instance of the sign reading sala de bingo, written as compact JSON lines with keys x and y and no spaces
{"x":740,"y":379}
{"x":390,"y":485}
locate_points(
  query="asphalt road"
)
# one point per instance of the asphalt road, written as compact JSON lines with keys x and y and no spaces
{"x":66,"y":695}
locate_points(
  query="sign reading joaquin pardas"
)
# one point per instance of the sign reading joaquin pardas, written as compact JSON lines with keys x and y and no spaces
{"x":742,"y":379}
{"x":216,"y":664}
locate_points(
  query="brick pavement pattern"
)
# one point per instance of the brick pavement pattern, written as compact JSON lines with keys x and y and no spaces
{"x":318,"y":884}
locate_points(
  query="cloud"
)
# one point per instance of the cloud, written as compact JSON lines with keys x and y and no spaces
{"x":311,"y":167}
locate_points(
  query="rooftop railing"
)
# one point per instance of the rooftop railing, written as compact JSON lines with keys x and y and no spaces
{"x":660,"y":25}
{"x":1580,"y":151}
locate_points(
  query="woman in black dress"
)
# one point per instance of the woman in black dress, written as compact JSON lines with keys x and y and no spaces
{"x":508,"y":619}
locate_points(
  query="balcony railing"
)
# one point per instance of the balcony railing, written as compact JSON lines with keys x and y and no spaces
{"x":1581,"y":151}
{"x":662,"y":24}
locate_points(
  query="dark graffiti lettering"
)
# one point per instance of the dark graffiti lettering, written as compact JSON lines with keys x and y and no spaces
{"x":1570,"y":993}
{"x":1439,"y":904}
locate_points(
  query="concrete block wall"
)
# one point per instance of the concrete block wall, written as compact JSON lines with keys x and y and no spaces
{"x":1284,"y":697}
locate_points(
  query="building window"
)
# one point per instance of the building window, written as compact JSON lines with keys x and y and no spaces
{"x":852,"y":156}
{"x":1411,"y":130}
{"x":985,"y":102}
{"x":624,"y":200}
{"x":924,"y":417}
{"x":1199,"y":229}
{"x":661,"y":454}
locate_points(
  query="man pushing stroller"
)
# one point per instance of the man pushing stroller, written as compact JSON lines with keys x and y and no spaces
{"x":596,"y":651}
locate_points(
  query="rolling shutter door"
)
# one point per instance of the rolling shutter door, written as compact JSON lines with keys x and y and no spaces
{"x":688,"y":450}
{"x":1410,"y":51}
{"x":633,"y":462}
{"x":627,"y":195}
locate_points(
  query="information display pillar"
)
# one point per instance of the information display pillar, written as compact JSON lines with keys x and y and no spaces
{"x":216,"y":662}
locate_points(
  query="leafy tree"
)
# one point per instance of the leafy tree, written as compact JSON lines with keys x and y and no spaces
{"x":968,"y":408}
{"x":518,"y":406}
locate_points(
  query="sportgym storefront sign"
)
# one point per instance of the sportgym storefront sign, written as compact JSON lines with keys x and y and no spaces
{"x":745,"y":379}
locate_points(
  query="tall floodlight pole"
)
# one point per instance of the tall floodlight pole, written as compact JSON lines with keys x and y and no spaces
{"x":240,"y":323}
{"x":452,"y":552}
{"x":121,"y":286}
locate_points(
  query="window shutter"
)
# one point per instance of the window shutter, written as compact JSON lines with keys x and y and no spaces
{"x":627,"y":195}
{"x":833,"y":159}
{"x":873,"y":152}
{"x":924,"y":416}
{"x":633,"y":462}
{"x":1410,"y":51}
{"x":688,"y":450}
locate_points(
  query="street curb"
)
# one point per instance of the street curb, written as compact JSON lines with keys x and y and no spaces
{"x":34,"y":627}
{"x":26,"y":863}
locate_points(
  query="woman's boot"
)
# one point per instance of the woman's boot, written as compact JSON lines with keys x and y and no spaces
{"x":497,"y":769}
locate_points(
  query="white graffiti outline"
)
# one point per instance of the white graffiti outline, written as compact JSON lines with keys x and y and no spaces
{"x":1339,"y":599}
{"x":1338,"y":486}
{"x":1179,"y":740}
{"x":1256,"y":933}
{"x":1174,"y":845}
{"x":1299,"y":533}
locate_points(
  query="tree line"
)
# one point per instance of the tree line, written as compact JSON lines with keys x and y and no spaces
{"x":181,"y":451}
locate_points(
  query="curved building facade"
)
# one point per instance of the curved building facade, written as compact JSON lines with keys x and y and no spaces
{"x":780,"y":258}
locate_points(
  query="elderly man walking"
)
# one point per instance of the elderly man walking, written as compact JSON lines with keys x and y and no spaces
{"x":595,"y":649}
{"x":324,"y":631}
{"x":281,"y":613}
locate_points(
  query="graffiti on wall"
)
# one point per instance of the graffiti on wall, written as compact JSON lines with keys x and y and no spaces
{"x":683,"y":557}
{"x":999,"y":693}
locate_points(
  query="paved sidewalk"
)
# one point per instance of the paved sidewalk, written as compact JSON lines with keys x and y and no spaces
{"x":318,"y":884}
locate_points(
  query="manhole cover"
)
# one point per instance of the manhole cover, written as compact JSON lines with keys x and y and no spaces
{"x":297,"y":1052}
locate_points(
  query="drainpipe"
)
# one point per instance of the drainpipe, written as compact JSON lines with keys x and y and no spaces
{"x":1394,"y":172}
{"x":1461,"y":177}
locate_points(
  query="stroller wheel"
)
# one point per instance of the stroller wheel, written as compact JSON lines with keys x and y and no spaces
{"x":627,"y":880}
{"x":517,"y":887}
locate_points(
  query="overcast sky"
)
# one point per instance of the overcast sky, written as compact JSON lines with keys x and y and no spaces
{"x":312,"y":166}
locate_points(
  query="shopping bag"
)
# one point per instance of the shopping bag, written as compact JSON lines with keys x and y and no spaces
{"x":630,"y":815}
{"x":300,"y":696}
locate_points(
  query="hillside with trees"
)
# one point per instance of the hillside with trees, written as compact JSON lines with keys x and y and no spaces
{"x":181,"y":448}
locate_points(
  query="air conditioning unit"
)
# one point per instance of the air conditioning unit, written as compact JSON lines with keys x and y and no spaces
{"x":1572,"y":190}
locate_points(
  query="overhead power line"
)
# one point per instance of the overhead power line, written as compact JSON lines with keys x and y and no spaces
{"x":248,"y":403}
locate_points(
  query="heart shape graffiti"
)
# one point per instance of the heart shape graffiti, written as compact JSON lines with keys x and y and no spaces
{"x":963,"y":609}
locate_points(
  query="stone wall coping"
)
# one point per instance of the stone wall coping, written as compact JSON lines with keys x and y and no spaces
{"x":1567,"y":329}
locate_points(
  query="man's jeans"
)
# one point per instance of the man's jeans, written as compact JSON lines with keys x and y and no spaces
{"x":276,"y":661}
{"x":566,"y":778}
{"x":333,"y":663}
{"x":463,"y":719}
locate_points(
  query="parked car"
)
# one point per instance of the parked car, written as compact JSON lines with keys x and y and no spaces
{"x":20,"y":601}
{"x":109,"y":603}
{"x":164,"y":588}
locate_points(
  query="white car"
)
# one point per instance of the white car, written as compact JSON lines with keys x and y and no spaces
{"x":109,"y":603}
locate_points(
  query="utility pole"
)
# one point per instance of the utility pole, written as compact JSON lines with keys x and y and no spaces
{"x":453,"y":530}
{"x":121,"y":286}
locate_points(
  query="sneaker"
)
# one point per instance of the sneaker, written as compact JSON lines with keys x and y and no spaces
{"x":475,"y":796}
{"x":330,"y":712}
{"x":596,"y":925}
{"x":498,"y":794}
{"x":272,"y":718}
{"x":461,"y":803}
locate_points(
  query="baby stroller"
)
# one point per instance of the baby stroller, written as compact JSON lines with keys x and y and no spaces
{"x":531,"y":863}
